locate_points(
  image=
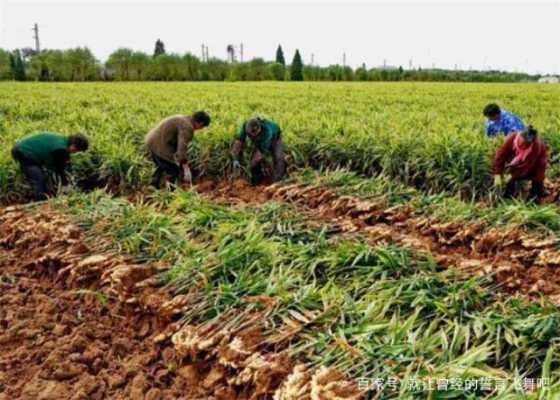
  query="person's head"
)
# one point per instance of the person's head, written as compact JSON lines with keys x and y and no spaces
{"x":528,"y":136}
{"x":492,"y":111}
{"x":253,"y":127}
{"x":77,"y":142}
{"x":200,"y":120}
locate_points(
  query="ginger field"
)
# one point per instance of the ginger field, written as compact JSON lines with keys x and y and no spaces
{"x":427,"y":135}
{"x":383,"y":267}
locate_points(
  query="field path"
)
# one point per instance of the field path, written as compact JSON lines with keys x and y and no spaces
{"x":520,"y":261}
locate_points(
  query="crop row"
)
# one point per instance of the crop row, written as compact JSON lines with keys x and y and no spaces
{"x":374,"y":312}
{"x":427,"y":135}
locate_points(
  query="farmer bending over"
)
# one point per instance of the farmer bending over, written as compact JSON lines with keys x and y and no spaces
{"x":501,"y":121}
{"x":523,"y":156}
{"x":168,"y":144}
{"x":40,"y":152}
{"x":266,"y":137}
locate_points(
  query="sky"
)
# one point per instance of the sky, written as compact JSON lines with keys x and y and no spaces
{"x":507,"y":35}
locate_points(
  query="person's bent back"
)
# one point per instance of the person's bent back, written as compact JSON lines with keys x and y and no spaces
{"x":523,"y":156}
{"x":501,"y":121}
{"x":39,"y":152}
{"x":168,"y":144}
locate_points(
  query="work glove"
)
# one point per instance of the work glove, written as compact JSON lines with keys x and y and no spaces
{"x":498,"y":181}
{"x":187,"y":174}
{"x":236,"y":165}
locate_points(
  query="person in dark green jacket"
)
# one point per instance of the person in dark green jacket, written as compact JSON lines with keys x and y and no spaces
{"x":43,"y":151}
{"x":266,"y":137}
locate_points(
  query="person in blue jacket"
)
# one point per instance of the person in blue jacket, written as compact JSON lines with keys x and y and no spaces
{"x":501,"y":121}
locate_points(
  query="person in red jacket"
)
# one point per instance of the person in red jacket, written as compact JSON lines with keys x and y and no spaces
{"x":523,"y":156}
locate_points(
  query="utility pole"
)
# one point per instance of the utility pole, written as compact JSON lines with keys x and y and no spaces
{"x":312,"y":59}
{"x":344,"y":59}
{"x":205,"y":56}
{"x":241,"y":52}
{"x":36,"y":37}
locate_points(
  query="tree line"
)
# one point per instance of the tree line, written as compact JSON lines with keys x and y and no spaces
{"x":79,"y":64}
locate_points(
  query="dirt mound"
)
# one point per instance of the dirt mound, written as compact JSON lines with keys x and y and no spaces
{"x":522,"y":262}
{"x":233,"y":191}
{"x":76,"y":324}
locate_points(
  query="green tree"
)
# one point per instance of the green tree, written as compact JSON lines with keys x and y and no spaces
{"x":280,"y":56}
{"x":192,"y":67}
{"x":362,"y":73}
{"x":159,"y":49}
{"x":121,"y":61}
{"x":239,"y":72}
{"x":347,"y":74}
{"x":18,"y":66}
{"x":168,"y":67}
{"x":5,"y":67}
{"x":139,"y":65}
{"x":258,"y":70}
{"x":82,"y":64}
{"x":296,"y":71}
{"x":214,"y":70}
{"x":277,"y":71}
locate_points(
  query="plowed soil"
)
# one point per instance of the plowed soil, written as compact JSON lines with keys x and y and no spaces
{"x":78,"y":324}
{"x":520,"y":261}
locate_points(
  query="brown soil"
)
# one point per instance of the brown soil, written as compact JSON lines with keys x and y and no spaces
{"x":520,"y":261}
{"x":78,"y":324}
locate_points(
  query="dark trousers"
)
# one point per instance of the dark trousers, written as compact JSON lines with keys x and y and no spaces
{"x":34,"y":174}
{"x":535,"y":194}
{"x":278,"y":163}
{"x":164,"y":167}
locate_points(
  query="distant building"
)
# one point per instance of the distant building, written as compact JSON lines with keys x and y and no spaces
{"x":549,"y":79}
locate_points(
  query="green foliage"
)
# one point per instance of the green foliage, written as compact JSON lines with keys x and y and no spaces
{"x":296,"y":69}
{"x":277,"y":71}
{"x":125,"y":64}
{"x":18,"y":66}
{"x":121,"y":62}
{"x":430,"y":136}
{"x":374,"y":312}
{"x":76,"y":64}
{"x":159,"y":48}
{"x":5,"y":65}
{"x":280,"y":56}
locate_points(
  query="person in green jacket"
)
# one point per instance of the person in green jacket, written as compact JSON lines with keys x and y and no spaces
{"x":44,"y":151}
{"x":266,"y":137}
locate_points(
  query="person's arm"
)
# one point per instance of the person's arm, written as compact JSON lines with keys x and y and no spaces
{"x":61,"y":160}
{"x":491,"y":128}
{"x":278,"y":131}
{"x":184,"y":138}
{"x":238,"y":144}
{"x":502,"y":155}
